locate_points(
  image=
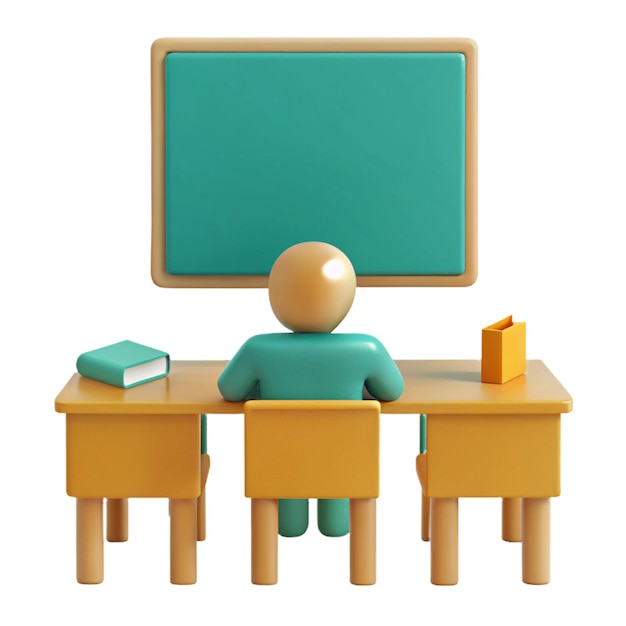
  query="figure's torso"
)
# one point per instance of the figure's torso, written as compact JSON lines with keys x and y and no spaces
{"x":313,"y":366}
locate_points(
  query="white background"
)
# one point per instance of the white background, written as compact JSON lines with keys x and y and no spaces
{"x":75,"y":234}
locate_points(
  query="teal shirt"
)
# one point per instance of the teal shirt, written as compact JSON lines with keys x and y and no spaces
{"x":311,"y":366}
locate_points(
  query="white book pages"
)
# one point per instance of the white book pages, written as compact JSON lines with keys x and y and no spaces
{"x":145,"y":371}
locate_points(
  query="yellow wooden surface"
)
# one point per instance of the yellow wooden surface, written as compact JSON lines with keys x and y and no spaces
{"x":454,"y":387}
{"x":430,"y":387}
{"x":493,"y":455}
{"x":124,"y":456}
{"x":311,"y":449}
{"x":190,"y":387}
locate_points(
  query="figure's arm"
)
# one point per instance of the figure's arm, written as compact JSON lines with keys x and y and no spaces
{"x":385,"y":383}
{"x":238,"y":379}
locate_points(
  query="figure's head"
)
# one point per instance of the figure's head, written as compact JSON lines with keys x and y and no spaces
{"x":312,"y":287}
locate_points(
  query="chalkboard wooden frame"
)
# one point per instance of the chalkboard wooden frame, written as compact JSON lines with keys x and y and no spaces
{"x":161,"y":48}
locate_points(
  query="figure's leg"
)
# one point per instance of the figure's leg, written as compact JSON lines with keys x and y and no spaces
{"x":333,"y":517}
{"x":293,"y":517}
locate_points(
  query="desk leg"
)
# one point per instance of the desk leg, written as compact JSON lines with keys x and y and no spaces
{"x":183,"y":536}
{"x":512,"y":519}
{"x":264,"y":541}
{"x":89,"y":541}
{"x":536,"y":541}
{"x":117,"y":519}
{"x":444,"y":541}
{"x":363,"y":541}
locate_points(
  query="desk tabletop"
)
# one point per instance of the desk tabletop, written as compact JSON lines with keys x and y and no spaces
{"x":436,"y":387}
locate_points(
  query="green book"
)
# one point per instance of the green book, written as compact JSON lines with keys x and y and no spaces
{"x":124,"y":364}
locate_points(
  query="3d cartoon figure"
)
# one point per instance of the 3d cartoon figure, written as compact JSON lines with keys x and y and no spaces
{"x":311,"y":288}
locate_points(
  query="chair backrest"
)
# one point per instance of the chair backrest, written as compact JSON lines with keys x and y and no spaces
{"x":312,"y":448}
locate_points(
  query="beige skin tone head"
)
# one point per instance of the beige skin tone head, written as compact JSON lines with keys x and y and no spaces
{"x":312,"y":287}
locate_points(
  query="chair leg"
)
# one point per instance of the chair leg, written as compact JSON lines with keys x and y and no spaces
{"x":117,"y":519}
{"x":512,"y":519}
{"x":536,"y":541}
{"x":264,"y":541}
{"x":425,"y":518}
{"x":89,"y":541}
{"x":201,"y":513}
{"x":363,"y":541}
{"x":444,"y":541}
{"x":205,"y":464}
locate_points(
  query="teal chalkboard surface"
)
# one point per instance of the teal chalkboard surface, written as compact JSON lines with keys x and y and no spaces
{"x":364,"y":150}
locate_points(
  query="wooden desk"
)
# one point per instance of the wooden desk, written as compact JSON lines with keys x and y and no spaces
{"x":488,"y":440}
{"x":134,"y":443}
{"x":441,"y":389}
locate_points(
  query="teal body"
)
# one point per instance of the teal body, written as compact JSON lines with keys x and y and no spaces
{"x":311,"y":366}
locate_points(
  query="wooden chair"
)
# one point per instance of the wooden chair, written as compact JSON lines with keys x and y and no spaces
{"x":312,"y":449}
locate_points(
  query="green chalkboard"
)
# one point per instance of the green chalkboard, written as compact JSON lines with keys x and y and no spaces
{"x":364,"y":150}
